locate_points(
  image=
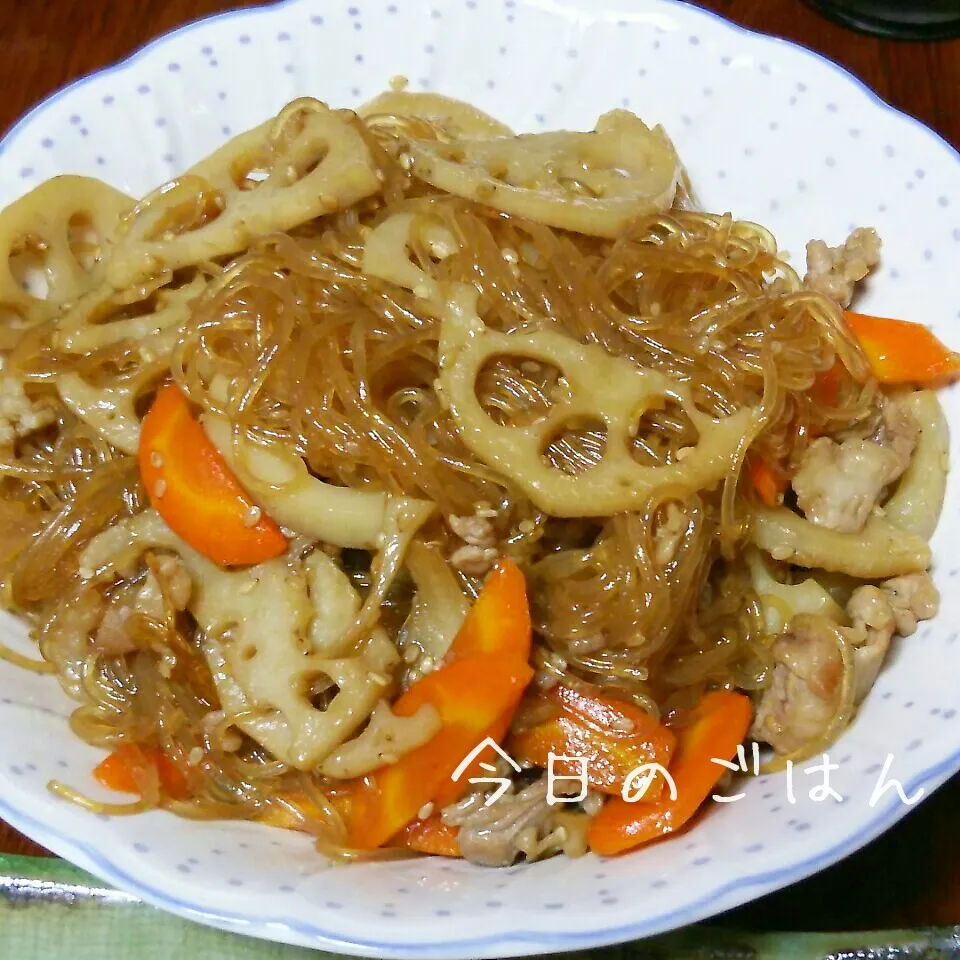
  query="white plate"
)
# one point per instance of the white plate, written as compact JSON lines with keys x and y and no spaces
{"x":770,"y":132}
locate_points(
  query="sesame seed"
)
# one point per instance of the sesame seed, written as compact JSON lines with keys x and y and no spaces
{"x":160,"y":489}
{"x":425,"y":811}
{"x":195,"y":757}
{"x":156,"y":459}
{"x":252,"y":517}
{"x":379,"y":679}
{"x":526,"y":526}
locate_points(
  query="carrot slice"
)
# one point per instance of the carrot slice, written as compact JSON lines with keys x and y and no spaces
{"x":128,"y":767}
{"x":827,"y":383}
{"x":431,"y":836}
{"x":193,"y":489}
{"x":718,"y":726}
{"x":470,"y":694}
{"x":613,"y":736}
{"x":498,"y":623}
{"x":768,"y":480}
{"x":902,"y":352}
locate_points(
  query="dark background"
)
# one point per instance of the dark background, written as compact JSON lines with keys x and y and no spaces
{"x":911,"y":876}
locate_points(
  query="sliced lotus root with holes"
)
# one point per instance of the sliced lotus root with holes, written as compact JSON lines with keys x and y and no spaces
{"x":599,"y":388}
{"x":592,"y":183}
{"x":106,"y":316}
{"x":258,"y":638}
{"x":52,"y":243}
{"x":306,"y":162}
{"x":393,"y":111}
{"x":256,"y":624}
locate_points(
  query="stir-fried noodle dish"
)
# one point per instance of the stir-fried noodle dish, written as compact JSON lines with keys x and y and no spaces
{"x":380,"y":436}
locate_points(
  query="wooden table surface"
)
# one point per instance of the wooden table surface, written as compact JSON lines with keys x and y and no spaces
{"x":911,"y":876}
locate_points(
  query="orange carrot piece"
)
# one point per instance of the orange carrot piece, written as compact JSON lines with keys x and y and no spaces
{"x":470,"y":695}
{"x":431,"y":836}
{"x":498,"y":623}
{"x":196,"y":493}
{"x":827,"y":383}
{"x":128,"y":767}
{"x":902,"y":352}
{"x":453,"y":790}
{"x":613,"y":736}
{"x":768,"y":480}
{"x":718,"y":726}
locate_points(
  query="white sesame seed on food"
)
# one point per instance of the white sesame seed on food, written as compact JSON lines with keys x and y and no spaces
{"x":160,"y":488}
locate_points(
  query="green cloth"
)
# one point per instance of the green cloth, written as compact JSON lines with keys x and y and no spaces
{"x":50,"y":910}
